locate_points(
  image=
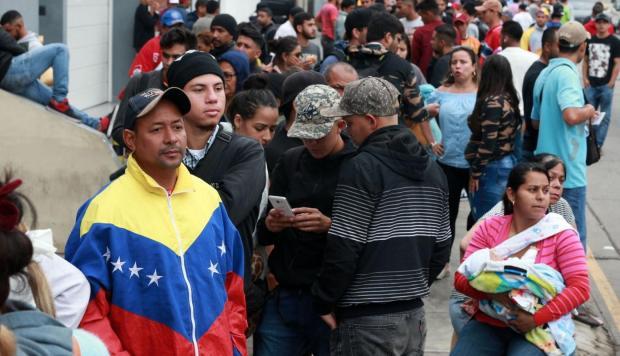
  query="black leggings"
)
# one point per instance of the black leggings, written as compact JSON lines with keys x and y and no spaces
{"x":458,"y":179}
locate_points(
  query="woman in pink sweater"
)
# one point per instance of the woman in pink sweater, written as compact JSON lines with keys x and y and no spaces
{"x":526,"y":202}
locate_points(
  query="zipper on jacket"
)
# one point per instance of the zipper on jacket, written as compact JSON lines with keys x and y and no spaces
{"x":189,"y":287}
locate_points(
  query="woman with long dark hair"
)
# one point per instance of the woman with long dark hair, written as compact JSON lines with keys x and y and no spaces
{"x":542,"y":245}
{"x":287,"y":54}
{"x":254,"y":114}
{"x":494,"y":125}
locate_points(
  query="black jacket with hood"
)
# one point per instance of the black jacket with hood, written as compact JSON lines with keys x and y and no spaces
{"x":305,"y":182}
{"x":390,"y":233}
{"x":8,"y":49}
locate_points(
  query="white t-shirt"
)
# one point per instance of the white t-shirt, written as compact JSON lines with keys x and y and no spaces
{"x":285,"y":30}
{"x":410,"y":26}
{"x":524,"y":19}
{"x":520,"y":61}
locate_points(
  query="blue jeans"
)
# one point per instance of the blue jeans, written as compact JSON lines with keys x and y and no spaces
{"x":458,"y":316}
{"x":25,"y":69}
{"x":401,"y":333}
{"x":491,"y":185}
{"x":290,"y":326}
{"x":601,"y":97}
{"x":576,"y":198}
{"x":480,"y":339}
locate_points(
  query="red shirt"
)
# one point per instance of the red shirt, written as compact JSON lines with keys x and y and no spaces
{"x":591,"y":27}
{"x":421,"y":50}
{"x":327,"y":16}
{"x":148,"y":58}
{"x":493,"y":38}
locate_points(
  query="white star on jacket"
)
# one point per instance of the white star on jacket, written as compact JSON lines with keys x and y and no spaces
{"x":107,"y":254}
{"x":222,"y":248}
{"x":118,"y":265}
{"x":154,"y":278}
{"x":135,"y":270}
{"x":213,"y":268}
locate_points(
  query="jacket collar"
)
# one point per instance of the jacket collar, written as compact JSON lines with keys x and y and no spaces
{"x":183,"y":184}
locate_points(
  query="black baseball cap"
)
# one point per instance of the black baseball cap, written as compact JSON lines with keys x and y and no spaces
{"x":144,"y":102}
{"x":602,"y":17}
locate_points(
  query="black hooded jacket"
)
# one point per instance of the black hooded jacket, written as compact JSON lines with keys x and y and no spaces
{"x":390,"y":233}
{"x":8,"y":49}
{"x":306,"y":182}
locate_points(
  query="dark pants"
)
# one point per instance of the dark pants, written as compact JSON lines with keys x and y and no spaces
{"x":480,"y":339}
{"x":401,"y":333}
{"x":458,"y":179}
{"x":290,"y":326}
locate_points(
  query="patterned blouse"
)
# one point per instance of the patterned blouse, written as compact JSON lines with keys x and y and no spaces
{"x":492,"y":133}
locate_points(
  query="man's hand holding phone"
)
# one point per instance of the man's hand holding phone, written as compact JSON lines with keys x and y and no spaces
{"x":311,"y":220}
{"x":304,"y":219}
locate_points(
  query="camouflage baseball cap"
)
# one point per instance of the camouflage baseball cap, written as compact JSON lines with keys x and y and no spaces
{"x":374,"y":96}
{"x":309,"y":123}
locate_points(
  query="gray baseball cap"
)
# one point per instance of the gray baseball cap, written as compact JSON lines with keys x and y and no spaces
{"x":371,"y":95}
{"x":309,"y":123}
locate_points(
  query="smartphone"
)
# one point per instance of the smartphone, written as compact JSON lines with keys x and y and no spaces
{"x":599,"y":118}
{"x":281,"y":204}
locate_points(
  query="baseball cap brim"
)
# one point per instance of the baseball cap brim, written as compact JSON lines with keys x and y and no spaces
{"x":480,"y":8}
{"x":174,"y":95}
{"x":336,"y":111}
{"x":310,"y":131}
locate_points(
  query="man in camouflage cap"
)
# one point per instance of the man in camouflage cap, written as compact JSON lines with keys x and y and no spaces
{"x":390,"y":233}
{"x":309,"y":124}
{"x":307,"y":177}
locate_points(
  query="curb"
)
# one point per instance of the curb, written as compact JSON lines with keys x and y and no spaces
{"x":609,"y":325}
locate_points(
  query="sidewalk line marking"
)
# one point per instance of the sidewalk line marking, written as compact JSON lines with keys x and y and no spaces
{"x":609,"y":295}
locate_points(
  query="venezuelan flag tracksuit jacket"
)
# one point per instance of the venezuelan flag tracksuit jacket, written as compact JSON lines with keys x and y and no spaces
{"x":166,"y":270}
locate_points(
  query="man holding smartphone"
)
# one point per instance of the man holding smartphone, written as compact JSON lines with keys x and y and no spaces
{"x":306,"y":176}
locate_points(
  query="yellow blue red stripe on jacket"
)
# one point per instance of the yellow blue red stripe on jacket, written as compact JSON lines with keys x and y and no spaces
{"x":166,"y":270}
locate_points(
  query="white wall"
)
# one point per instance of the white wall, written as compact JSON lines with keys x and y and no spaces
{"x":239,"y":9}
{"x":88,"y":29}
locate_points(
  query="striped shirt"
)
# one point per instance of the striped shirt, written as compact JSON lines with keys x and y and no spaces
{"x":563,"y":252}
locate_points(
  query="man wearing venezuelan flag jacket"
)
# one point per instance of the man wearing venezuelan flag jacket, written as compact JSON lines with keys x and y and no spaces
{"x":164,"y":261}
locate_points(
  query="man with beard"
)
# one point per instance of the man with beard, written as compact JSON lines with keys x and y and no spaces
{"x":224,"y":32}
{"x":305,"y":27}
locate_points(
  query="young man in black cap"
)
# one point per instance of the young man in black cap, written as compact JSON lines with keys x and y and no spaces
{"x":224,"y":32}
{"x":232,"y":164}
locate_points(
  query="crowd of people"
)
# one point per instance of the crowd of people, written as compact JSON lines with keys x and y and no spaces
{"x":307,"y":195}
